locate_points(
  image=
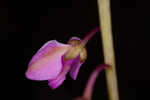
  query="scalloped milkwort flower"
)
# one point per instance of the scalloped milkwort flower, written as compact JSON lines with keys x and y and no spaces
{"x":54,"y":60}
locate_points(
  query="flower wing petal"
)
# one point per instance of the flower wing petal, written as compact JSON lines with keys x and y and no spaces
{"x":75,"y":67}
{"x":45,"y":49}
{"x":56,"y":82}
{"x":47,"y":62}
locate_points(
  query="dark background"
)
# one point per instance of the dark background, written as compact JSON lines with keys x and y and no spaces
{"x":25,"y":26}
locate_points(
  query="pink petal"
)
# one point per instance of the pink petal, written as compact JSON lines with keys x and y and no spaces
{"x":56,"y":82}
{"x":75,"y":67}
{"x":74,"y":38}
{"x":45,"y":49}
{"x":67,"y":66}
{"x":47,"y":62}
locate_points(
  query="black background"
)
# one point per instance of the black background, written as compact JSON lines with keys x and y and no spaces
{"x":25,"y":26}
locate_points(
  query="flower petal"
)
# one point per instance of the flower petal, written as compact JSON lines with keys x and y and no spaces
{"x":45,"y":49}
{"x":56,"y":82}
{"x":75,"y":67}
{"x":47,"y":62}
{"x":74,"y":38}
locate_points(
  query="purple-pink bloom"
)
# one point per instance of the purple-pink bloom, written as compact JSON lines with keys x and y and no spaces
{"x":48,"y":63}
{"x":54,"y":60}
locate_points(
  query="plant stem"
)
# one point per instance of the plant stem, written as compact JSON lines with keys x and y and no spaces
{"x":107,"y":42}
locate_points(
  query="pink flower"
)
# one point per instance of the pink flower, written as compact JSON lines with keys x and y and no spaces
{"x":87,"y":94}
{"x":54,"y":60}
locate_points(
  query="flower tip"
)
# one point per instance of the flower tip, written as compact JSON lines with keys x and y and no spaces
{"x":101,"y":66}
{"x":74,"y":38}
{"x":29,"y":75}
{"x":26,"y":75}
{"x":107,"y":66}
